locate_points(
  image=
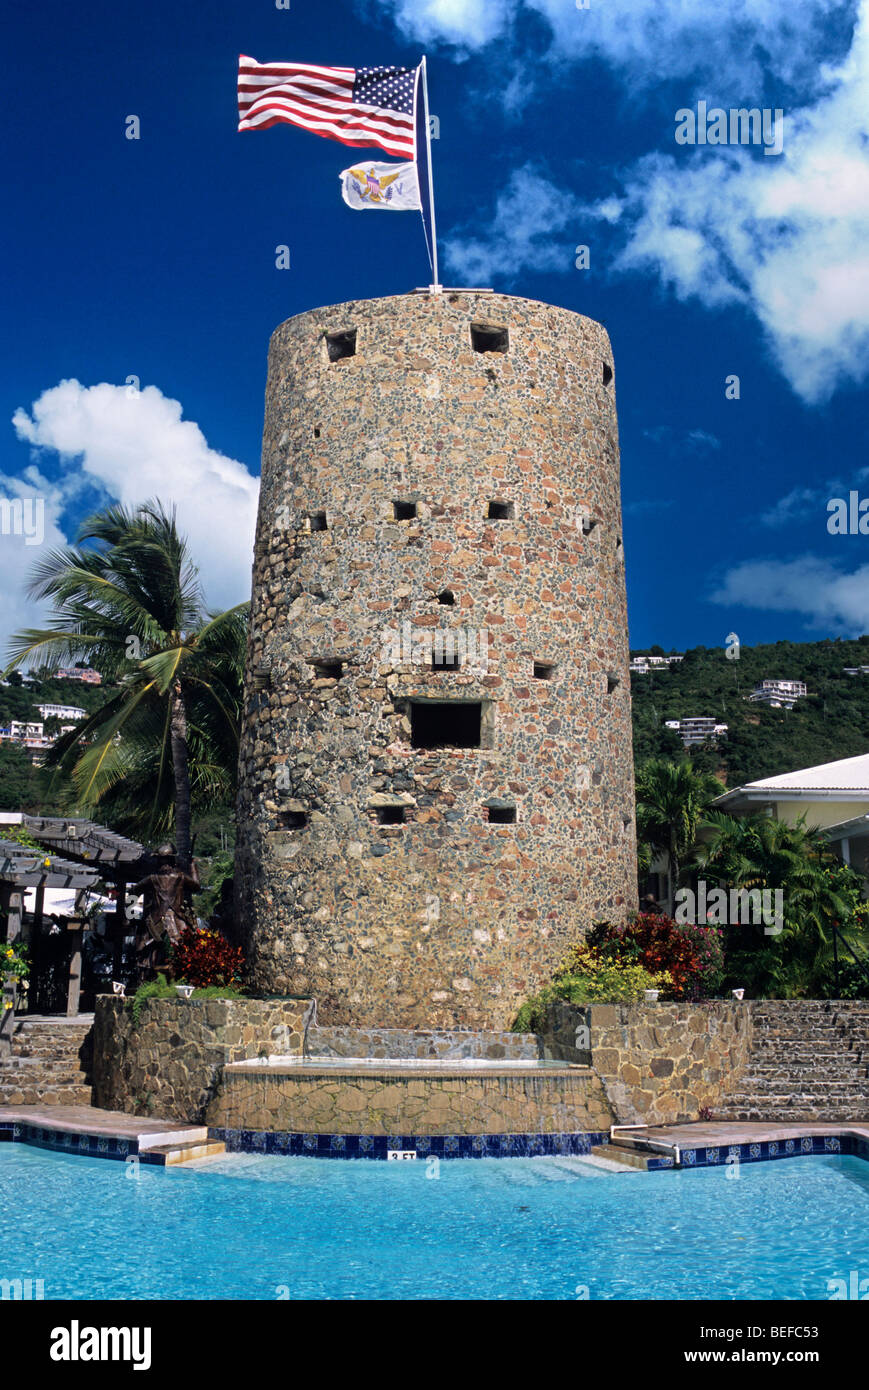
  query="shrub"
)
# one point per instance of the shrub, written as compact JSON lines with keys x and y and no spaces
{"x":161,"y":989}
{"x":202,"y":957}
{"x":693,"y":956}
{"x":586,"y":977}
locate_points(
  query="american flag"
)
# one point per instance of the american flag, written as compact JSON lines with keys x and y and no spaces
{"x":358,"y":106}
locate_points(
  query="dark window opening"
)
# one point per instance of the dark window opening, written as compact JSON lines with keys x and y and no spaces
{"x":454,"y":725}
{"x":292,"y":820}
{"x":445,"y":657}
{"x":485,"y":337}
{"x":588,"y":524}
{"x":328,"y":670}
{"x":404,"y":511}
{"x":447,"y":597}
{"x":316,"y":432}
{"x":390,"y":815}
{"x":612,"y":683}
{"x":501,"y":511}
{"x":317,"y":521}
{"x":607,"y":373}
{"x":543,"y":671}
{"x":502,"y":815}
{"x":340,"y":345}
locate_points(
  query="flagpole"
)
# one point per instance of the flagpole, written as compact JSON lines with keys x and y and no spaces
{"x":436,"y":287}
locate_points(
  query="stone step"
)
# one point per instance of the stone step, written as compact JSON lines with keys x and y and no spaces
{"x":13,"y":1094}
{"x":792,"y":1114}
{"x":799,"y":1086}
{"x":616,"y":1153}
{"x":171,"y":1154}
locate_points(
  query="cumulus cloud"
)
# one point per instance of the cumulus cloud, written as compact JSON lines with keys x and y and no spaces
{"x":531,"y":230}
{"x":825,"y":596}
{"x":645,"y":41}
{"x":787,"y":237}
{"x":126,"y":445}
{"x":466,"y":24}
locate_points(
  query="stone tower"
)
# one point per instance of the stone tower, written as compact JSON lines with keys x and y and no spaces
{"x":436,"y":782}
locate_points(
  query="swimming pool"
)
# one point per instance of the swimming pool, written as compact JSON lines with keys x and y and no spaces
{"x":249,"y":1227}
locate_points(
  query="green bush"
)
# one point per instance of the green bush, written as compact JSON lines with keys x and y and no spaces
{"x":161,"y":989}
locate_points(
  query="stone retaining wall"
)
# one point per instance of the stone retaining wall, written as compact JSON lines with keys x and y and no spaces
{"x":659,"y":1063}
{"x":336,"y":1102}
{"x":171,"y":1063}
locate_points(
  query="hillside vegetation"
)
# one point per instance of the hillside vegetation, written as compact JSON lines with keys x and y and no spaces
{"x":831,"y":722}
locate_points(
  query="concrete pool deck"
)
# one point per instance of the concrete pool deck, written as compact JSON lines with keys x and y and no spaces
{"x":110,"y":1132}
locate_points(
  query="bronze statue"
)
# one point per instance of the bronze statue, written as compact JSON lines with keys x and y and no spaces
{"x":165,"y":913}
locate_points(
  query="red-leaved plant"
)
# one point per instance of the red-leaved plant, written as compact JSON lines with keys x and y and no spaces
{"x":693,"y":956}
{"x":202,"y":958}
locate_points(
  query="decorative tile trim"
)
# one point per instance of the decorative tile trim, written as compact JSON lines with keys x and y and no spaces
{"x":426,"y":1145}
{"x":766,"y":1149}
{"x":65,"y":1141}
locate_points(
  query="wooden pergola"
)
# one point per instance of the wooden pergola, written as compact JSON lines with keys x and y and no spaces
{"x":79,"y":854}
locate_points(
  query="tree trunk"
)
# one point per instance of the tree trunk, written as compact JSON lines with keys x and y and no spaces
{"x":180,"y":765}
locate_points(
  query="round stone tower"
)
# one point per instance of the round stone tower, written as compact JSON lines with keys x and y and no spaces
{"x":436,"y":782}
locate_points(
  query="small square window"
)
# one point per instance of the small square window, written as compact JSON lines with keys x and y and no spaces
{"x":447,"y":597}
{"x":390,"y":815}
{"x":317,"y":521}
{"x":486,"y":337}
{"x":445,"y":657}
{"x":612,"y":683}
{"x":543,"y":671}
{"x":502,"y":815}
{"x":339,"y":345}
{"x":328,"y":670}
{"x":607,"y":374}
{"x":404,"y":511}
{"x":501,"y":511}
{"x":293,"y":820}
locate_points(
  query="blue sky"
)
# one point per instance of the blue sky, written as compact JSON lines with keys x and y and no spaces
{"x":151,"y":262}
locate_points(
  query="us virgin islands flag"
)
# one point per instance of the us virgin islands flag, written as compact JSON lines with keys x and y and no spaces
{"x":391,"y":186}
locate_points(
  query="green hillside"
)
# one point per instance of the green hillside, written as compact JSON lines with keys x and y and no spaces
{"x":831,"y":722}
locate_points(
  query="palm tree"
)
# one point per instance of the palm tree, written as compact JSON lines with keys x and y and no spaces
{"x":761,"y":852}
{"x":672,"y":799}
{"x":127,"y":599}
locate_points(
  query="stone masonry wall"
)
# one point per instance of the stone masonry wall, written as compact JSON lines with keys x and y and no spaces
{"x":171,"y":1063}
{"x":412,"y":1102}
{"x":451,"y":918}
{"x":659,"y":1063}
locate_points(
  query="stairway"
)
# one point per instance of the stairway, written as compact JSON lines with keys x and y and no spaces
{"x":50,"y":1062}
{"x":809,"y":1060}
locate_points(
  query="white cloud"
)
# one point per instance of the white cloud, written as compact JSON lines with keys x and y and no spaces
{"x":826,"y":597}
{"x":131,"y":446}
{"x":645,"y":41}
{"x":532,"y":229}
{"x":467,"y":24}
{"x":787,"y":236}
{"x":23,"y":534}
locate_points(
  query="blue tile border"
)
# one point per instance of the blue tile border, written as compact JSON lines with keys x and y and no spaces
{"x":67,"y":1141}
{"x":764,"y":1150}
{"x":375,"y":1146}
{"x":346,"y":1146}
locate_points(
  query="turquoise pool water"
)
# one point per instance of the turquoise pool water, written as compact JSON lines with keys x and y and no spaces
{"x":248,"y":1227}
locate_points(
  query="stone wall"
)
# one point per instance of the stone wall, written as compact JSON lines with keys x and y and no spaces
{"x":171,"y":1063}
{"x":453,"y":917}
{"x":658,"y":1063}
{"x":331,"y":1101}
